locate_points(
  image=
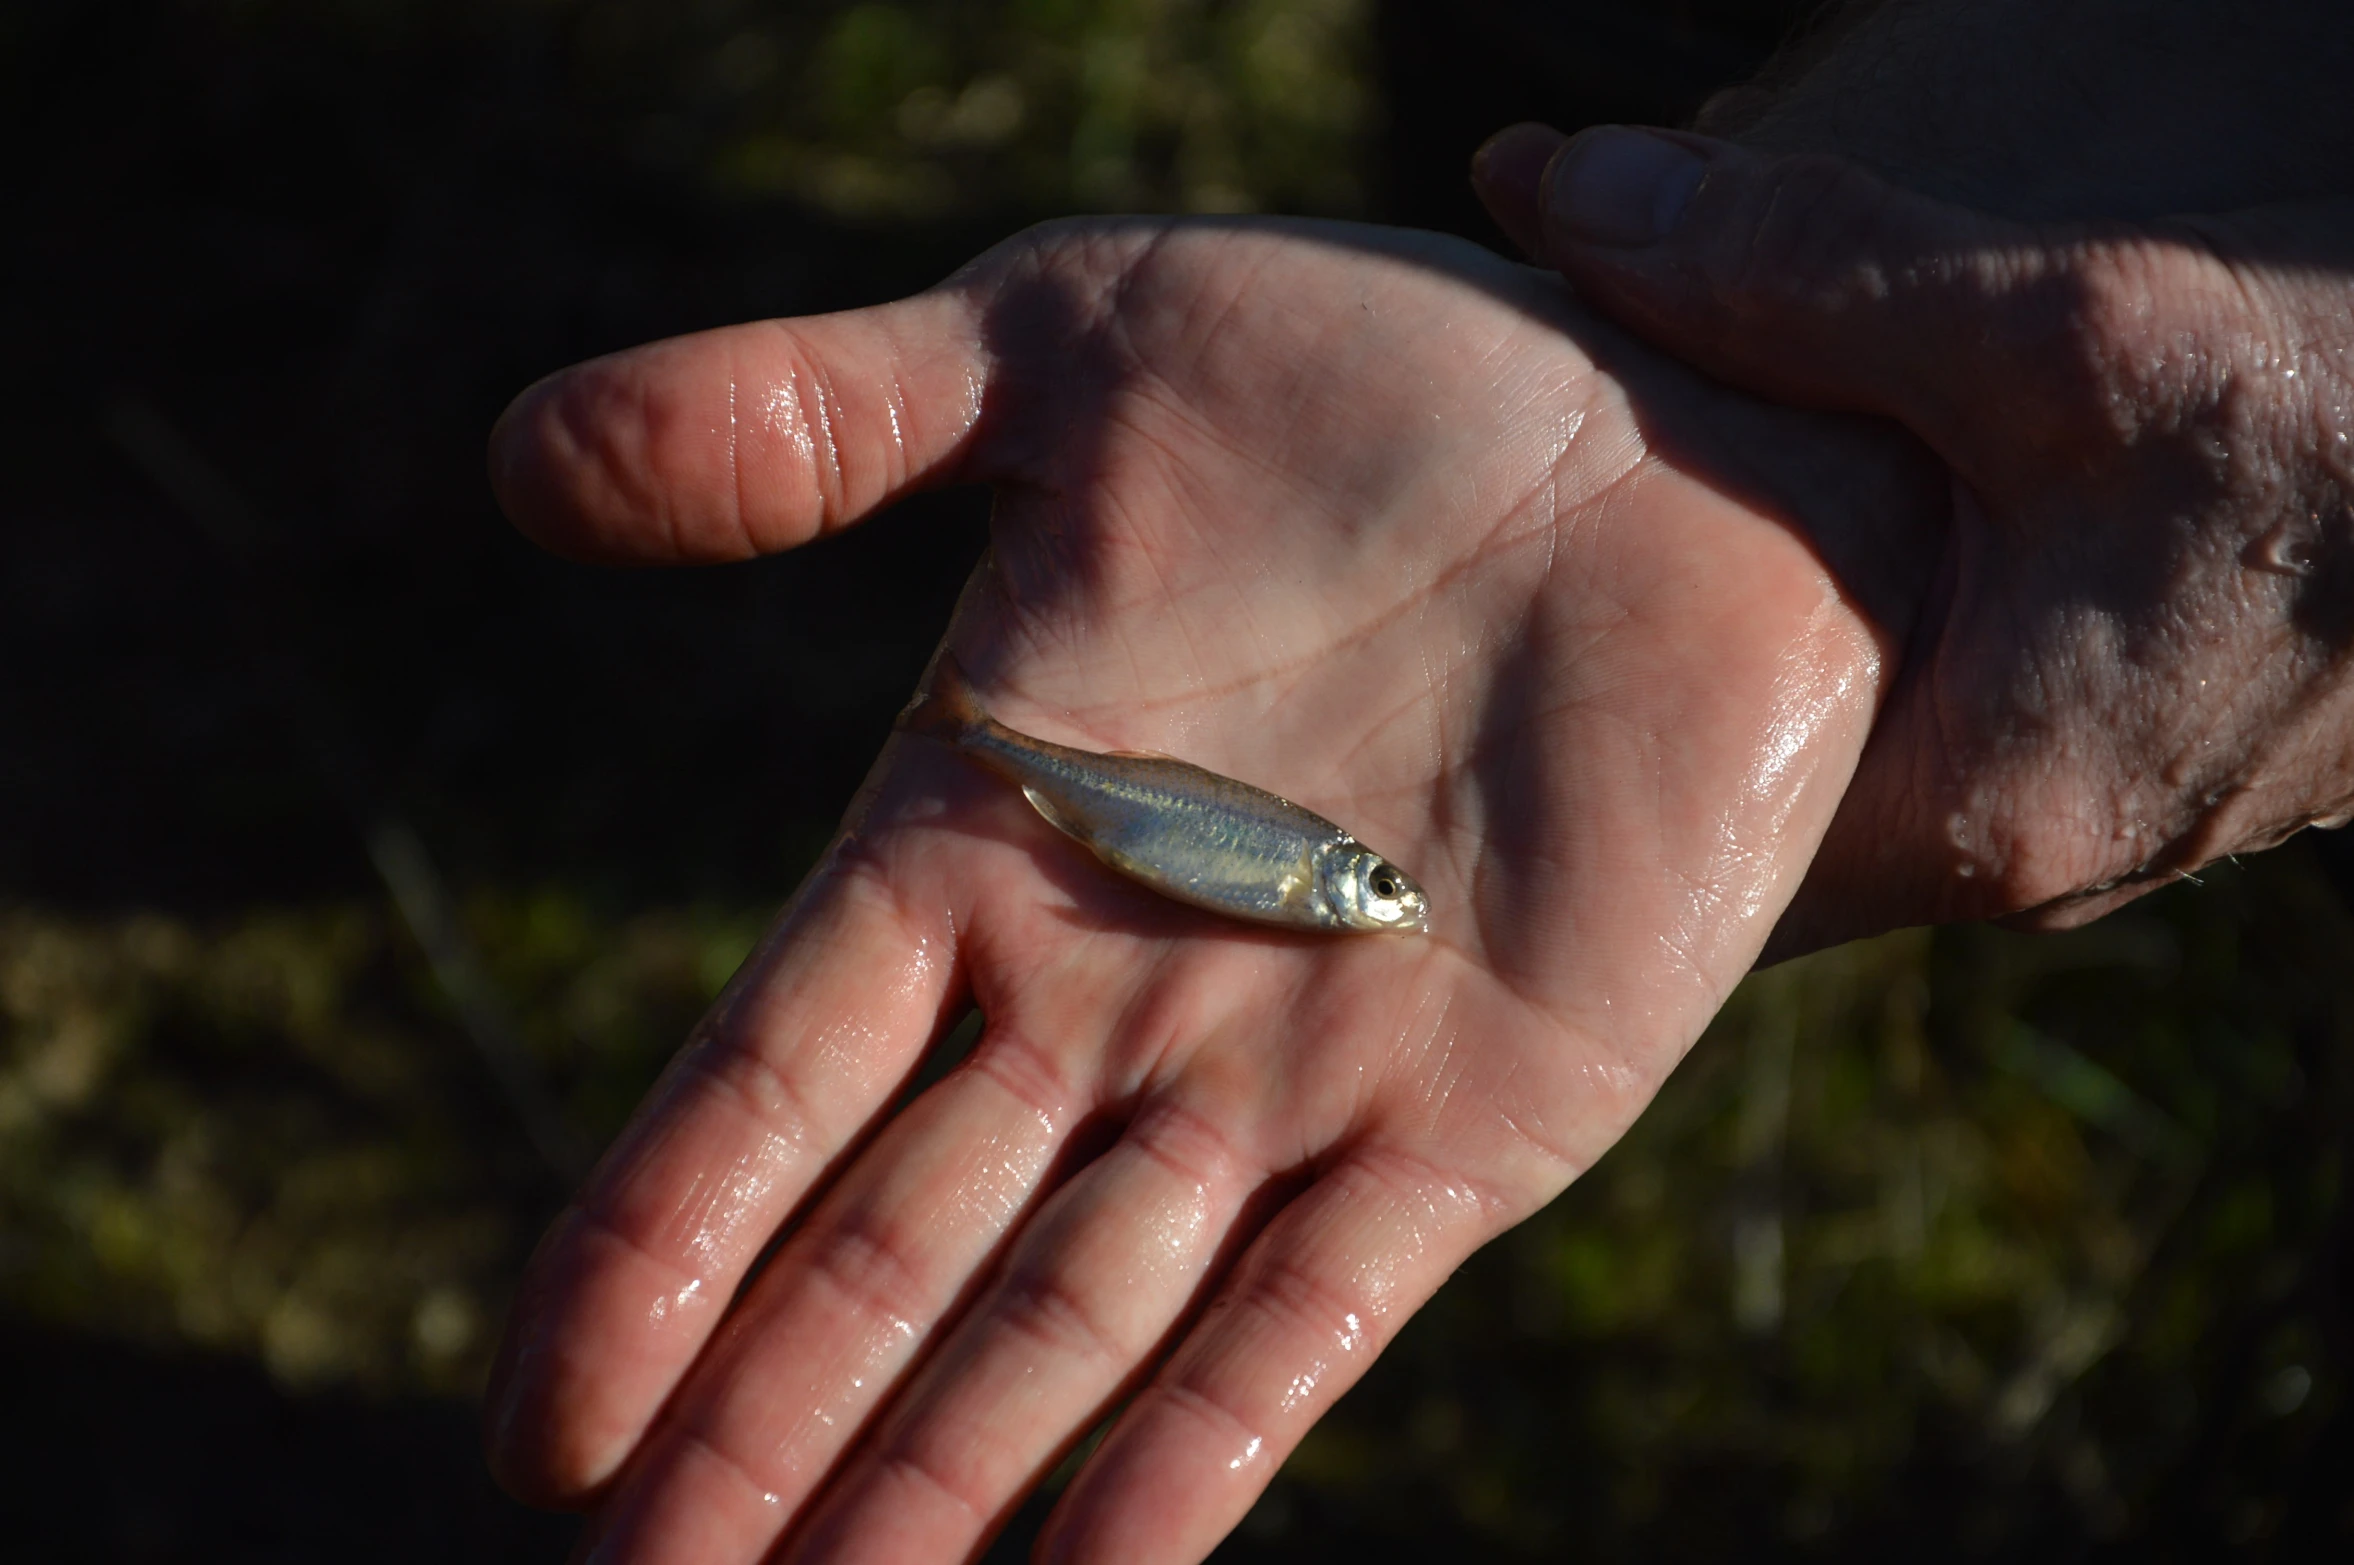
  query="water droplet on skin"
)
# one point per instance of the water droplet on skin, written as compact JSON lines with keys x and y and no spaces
{"x":1966,"y":870}
{"x":2287,"y":550}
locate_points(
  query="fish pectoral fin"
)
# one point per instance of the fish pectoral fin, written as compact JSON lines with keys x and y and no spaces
{"x":1045,"y":806}
{"x":1110,"y":851}
{"x":1299,"y":893}
{"x":1142,"y":755}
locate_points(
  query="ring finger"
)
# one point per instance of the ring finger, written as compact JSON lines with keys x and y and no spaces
{"x":1092,"y":1286}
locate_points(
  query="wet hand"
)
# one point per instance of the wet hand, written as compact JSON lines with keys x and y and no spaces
{"x":2132,"y":655}
{"x":1371,"y":519}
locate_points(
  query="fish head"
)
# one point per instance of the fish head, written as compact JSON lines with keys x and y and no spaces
{"x":1366,"y":891}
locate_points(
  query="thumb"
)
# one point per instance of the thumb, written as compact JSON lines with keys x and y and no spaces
{"x":1808,"y":279}
{"x":746,"y":440}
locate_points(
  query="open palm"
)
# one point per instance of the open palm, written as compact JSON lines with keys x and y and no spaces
{"x":1351,"y":515}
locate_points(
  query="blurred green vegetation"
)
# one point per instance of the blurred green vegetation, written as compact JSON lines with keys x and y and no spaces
{"x":913,"y":111}
{"x":2010,"y":1235}
{"x":1948,"y":1245}
{"x":267,"y":1135}
{"x":927,"y":109}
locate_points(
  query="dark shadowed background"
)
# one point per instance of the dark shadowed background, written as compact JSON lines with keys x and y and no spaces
{"x":359,"y":866}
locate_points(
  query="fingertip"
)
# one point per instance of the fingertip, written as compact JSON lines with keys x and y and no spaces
{"x":1507,"y":174}
{"x":619,"y":1303}
{"x":535,"y":1450}
{"x":1164,"y":1473}
{"x":526,"y":1470}
{"x":506,"y":1447}
{"x":1621,"y":187}
{"x":745,"y":440}
{"x":616,"y":461}
{"x":521,"y":1446}
{"x":519,"y":466}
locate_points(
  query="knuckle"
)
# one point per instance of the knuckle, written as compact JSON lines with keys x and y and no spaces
{"x":1208,"y":1404}
{"x":1012,"y":1060}
{"x":918,"y":1470}
{"x":867,"y":1264}
{"x":712,"y":1454}
{"x":1810,"y":237}
{"x":1445,"y":1198}
{"x":1311,"y":1304}
{"x":1190,"y":1146}
{"x":2105,"y":346}
{"x":759,"y":1089}
{"x":600,"y":1236}
{"x":1044,"y":1306}
{"x":2111,"y":339}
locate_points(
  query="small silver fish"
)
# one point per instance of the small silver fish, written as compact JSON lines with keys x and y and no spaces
{"x":1186,"y":832}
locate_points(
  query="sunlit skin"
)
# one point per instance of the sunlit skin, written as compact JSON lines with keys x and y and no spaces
{"x":1376,"y":520}
{"x":2139,"y":655}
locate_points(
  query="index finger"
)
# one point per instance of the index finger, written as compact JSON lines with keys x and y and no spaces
{"x":821,"y":1028}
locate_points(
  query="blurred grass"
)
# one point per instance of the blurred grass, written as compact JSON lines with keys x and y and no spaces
{"x":918,"y":110}
{"x":1965,"y":1227}
{"x":266,"y":1136}
{"x":927,"y":109}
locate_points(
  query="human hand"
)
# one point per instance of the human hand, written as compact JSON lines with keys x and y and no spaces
{"x":2042,"y":112}
{"x":1374,"y":519}
{"x":2134,"y":658}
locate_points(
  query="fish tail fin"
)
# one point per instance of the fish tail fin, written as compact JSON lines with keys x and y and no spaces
{"x":946,"y":707}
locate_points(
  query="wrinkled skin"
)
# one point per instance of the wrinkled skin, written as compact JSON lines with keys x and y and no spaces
{"x":2133,"y":659}
{"x":1373,"y":519}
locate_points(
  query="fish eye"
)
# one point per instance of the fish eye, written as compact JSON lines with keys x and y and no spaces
{"x":1384,"y":881}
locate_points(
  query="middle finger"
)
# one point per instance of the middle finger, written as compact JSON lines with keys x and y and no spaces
{"x":1090,"y":1287}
